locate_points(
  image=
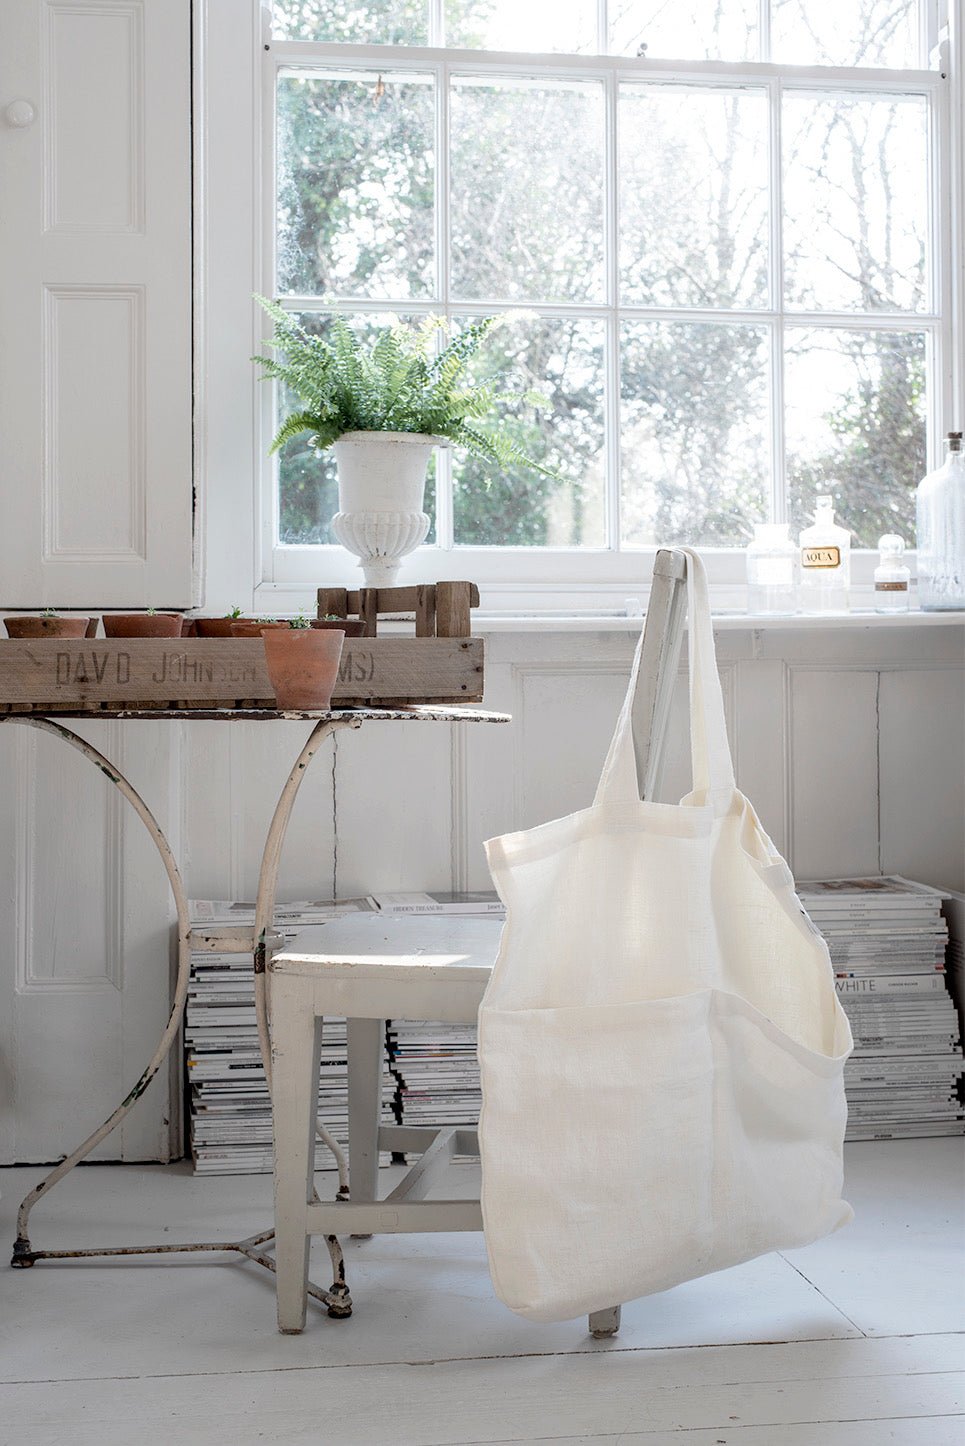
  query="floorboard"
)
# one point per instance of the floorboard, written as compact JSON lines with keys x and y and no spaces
{"x":856,"y":1341}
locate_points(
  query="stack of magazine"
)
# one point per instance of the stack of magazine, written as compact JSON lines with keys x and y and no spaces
{"x":436,"y":1072}
{"x":888,"y":940}
{"x":434,"y":1065}
{"x":889,"y":945}
{"x":230,"y":1113}
{"x":953,"y":908}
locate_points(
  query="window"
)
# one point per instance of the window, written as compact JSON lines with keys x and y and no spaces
{"x":720,"y":230}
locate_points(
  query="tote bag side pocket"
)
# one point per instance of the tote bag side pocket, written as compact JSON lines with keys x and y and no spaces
{"x":595,"y":1135}
{"x":780,"y":1115}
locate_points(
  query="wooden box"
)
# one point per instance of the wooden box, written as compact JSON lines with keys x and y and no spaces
{"x":48,"y":674}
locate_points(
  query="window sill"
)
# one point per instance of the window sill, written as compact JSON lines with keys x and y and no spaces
{"x":722,"y":622}
{"x":725,"y":621}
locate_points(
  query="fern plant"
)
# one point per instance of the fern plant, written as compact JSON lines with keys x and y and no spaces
{"x":398,"y":383}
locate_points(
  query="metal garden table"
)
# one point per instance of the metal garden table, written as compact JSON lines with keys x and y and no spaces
{"x":256,"y":939}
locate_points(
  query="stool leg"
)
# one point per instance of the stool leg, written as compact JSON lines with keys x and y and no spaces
{"x":605,"y":1323}
{"x":296,"y":1049}
{"x":365,"y":1045}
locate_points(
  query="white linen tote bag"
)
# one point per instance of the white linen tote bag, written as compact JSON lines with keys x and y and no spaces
{"x":661,"y":1044}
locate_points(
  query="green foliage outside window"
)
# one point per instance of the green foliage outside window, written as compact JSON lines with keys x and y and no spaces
{"x":357,"y":178}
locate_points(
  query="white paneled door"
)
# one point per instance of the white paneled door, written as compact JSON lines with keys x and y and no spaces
{"x":95,"y":512}
{"x":95,"y":303}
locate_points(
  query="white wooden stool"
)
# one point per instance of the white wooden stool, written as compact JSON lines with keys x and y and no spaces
{"x":368,"y":968}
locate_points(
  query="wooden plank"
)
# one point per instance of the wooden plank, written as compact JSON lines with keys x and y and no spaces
{"x":392,"y":600}
{"x":368,"y":609}
{"x":611,"y":1396}
{"x":332,"y":602}
{"x":387,"y":599}
{"x":453,"y":601}
{"x":430,"y":670}
{"x":384,"y":1219}
{"x":425,"y":611}
{"x":201,"y":672}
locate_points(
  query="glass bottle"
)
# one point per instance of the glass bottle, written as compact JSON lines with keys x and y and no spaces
{"x":770,"y":570}
{"x":825,"y":562}
{"x":941,"y":532}
{"x":892,"y":576}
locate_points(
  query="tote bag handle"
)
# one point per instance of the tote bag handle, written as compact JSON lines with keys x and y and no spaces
{"x":712,"y":766}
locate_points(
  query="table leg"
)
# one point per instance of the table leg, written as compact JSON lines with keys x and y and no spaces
{"x":265,"y":910}
{"x":23,"y":1254}
{"x":337,"y":1299}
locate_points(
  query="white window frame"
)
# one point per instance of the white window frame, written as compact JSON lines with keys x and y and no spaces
{"x":236,"y":66}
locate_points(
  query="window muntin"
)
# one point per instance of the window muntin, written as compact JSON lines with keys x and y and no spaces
{"x":883,"y":33}
{"x":567,"y":25}
{"x":703,"y":151}
{"x":382,"y":22}
{"x":855,"y":423}
{"x":761,"y":279}
{"x":526,"y":189}
{"x":855,"y":201}
{"x":886,"y":33}
{"x":564,"y":359}
{"x":691,"y":29}
{"x":355,"y":183}
{"x":695,"y":431}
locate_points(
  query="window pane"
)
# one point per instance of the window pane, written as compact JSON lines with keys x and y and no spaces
{"x":515,"y":506}
{"x":355,"y":184}
{"x":685,"y":29}
{"x":308,"y":480}
{"x":693,"y":196}
{"x":855,"y":197}
{"x":378,"y":22}
{"x":694,"y":432}
{"x":855,"y":406}
{"x":541,"y":25}
{"x":845,"y":32}
{"x":527,"y":190}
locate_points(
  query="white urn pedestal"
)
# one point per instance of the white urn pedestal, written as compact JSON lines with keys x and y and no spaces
{"x":381,"y":485}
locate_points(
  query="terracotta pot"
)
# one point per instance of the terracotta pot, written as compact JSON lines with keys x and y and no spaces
{"x":37,"y":627}
{"x":142,"y":625}
{"x":351,"y":627}
{"x":253,"y":627}
{"x":303,"y":665}
{"x":214,"y":627}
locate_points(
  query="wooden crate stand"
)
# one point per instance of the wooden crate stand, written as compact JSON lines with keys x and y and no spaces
{"x":441,"y":664}
{"x":442,"y":609}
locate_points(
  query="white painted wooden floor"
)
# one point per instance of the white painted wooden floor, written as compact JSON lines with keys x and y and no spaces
{"x":855,"y":1341}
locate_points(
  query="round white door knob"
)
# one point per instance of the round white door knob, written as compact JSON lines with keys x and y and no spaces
{"x":19,"y":113}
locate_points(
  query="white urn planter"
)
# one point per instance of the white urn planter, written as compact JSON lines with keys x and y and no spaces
{"x":381,"y":485}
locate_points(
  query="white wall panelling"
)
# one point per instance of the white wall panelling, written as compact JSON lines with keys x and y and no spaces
{"x":82,"y":121}
{"x":920,"y":802}
{"x":86,"y":916}
{"x":69,"y":871}
{"x":394,"y":806}
{"x":93,"y":487}
{"x":833,"y":773}
{"x":95,"y":304}
{"x":851,"y":744}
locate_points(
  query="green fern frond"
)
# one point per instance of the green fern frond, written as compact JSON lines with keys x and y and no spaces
{"x":292,"y":426}
{"x":402,"y":382}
